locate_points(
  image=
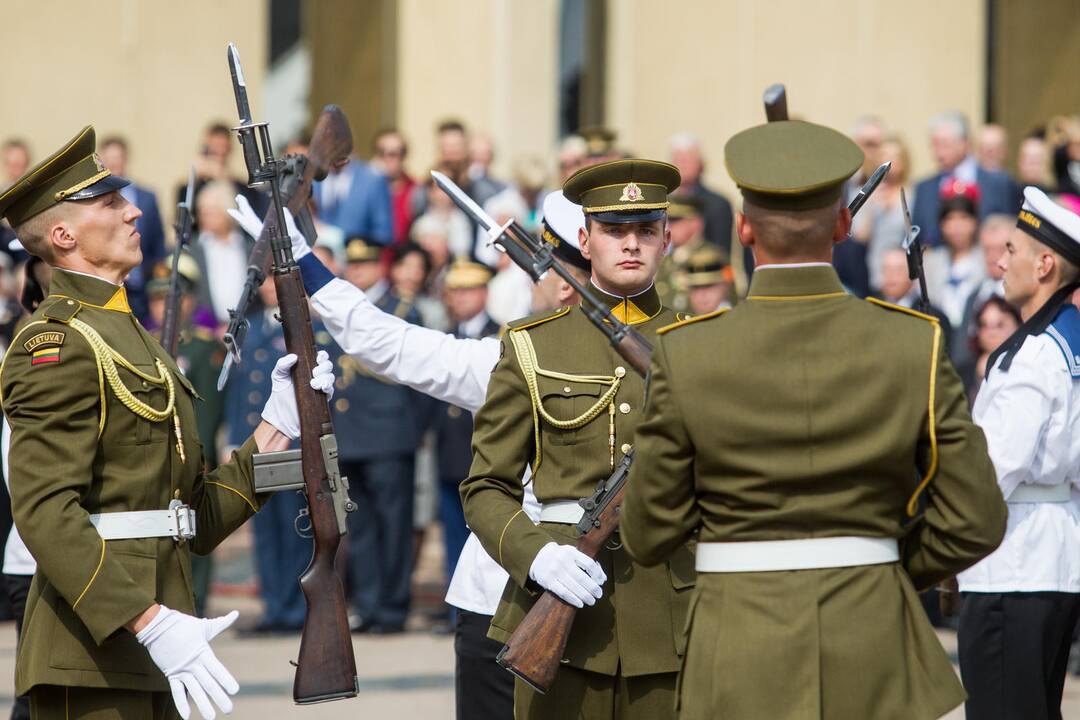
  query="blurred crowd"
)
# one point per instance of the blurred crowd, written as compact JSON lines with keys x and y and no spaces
{"x":389,"y":230}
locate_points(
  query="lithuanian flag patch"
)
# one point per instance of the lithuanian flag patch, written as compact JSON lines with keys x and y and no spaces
{"x":46,"y":355}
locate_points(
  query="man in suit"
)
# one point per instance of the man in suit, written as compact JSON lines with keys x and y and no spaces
{"x":950,"y":142}
{"x":114,"y":155}
{"x":715,"y":208}
{"x":356,"y":199}
{"x":378,"y":429}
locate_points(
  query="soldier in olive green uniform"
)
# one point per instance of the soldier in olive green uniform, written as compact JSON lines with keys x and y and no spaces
{"x":687,"y":225}
{"x":794,"y":434}
{"x":107,"y":481}
{"x":563,"y":402}
{"x":199,"y":356}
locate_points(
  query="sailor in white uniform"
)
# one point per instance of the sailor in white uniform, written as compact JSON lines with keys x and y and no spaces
{"x":456,"y":371}
{"x":1022,"y":602}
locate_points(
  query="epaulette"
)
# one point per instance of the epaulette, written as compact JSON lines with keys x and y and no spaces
{"x":901,"y":308}
{"x":691,"y":320}
{"x":538,"y":319}
{"x":1065,"y":332}
{"x":60,"y":309}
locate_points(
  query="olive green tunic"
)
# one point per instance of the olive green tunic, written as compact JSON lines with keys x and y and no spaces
{"x":77,"y":449}
{"x":804,"y":412}
{"x":636,"y":627}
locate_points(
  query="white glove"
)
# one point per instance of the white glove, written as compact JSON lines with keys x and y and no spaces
{"x":179,"y":645}
{"x":280,"y":410}
{"x":252,"y":224}
{"x":569,"y":573}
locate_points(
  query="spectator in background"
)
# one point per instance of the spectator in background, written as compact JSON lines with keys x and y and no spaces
{"x":715,"y":208}
{"x":378,"y":427}
{"x":599,"y":144}
{"x":995,"y":321}
{"x":481,"y":156}
{"x":573,"y":151}
{"x":686,"y":224}
{"x":993,"y":235}
{"x":113,"y":151}
{"x":390,"y":151}
{"x":1033,"y":162}
{"x":363,"y":268}
{"x":452,"y":159}
{"x":898,"y":288}
{"x":212,"y":165}
{"x":992,"y":147}
{"x":952,"y":153}
{"x":466,"y":296}
{"x":410,"y":269}
{"x":15,"y":161}
{"x":221,"y":250}
{"x":356,"y":199}
{"x":281,"y":554}
{"x":460,"y":232}
{"x":510,"y":295}
{"x":955,"y":270}
{"x":530,"y":176}
{"x":1067,"y":158}
{"x":880,"y":226}
{"x":869,"y":134}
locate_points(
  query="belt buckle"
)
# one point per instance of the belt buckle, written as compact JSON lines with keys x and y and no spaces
{"x":183,"y":521}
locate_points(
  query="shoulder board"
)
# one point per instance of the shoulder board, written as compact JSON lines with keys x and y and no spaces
{"x":901,"y":308}
{"x":534,"y":320}
{"x":61,"y":309}
{"x":1065,"y":332}
{"x":691,"y":320}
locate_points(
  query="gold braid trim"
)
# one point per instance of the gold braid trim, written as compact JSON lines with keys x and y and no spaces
{"x":526,"y":355}
{"x":107,"y":359}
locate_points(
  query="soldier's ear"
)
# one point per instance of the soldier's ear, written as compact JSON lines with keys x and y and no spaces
{"x":60,"y":237}
{"x":744,"y":229}
{"x":583,"y":242}
{"x":843,"y":225}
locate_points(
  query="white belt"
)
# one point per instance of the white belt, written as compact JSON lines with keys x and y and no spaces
{"x":1041,"y":494}
{"x":568,"y":512}
{"x":801,"y":554}
{"x":178,"y":522}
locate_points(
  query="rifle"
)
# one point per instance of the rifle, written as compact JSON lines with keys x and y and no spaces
{"x":914,"y":249}
{"x":775,"y":99}
{"x":326,"y":666}
{"x":170,"y":324}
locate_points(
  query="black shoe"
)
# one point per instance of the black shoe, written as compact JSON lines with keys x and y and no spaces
{"x":267,"y":629}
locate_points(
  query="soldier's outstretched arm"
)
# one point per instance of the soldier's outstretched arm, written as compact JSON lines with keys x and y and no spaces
{"x":659,"y":514}
{"x":54,"y":410}
{"x":965,"y":514}
{"x":503,"y":445}
{"x":454,"y":370}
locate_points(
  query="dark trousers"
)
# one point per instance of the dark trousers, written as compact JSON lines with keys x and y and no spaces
{"x":380,"y":537}
{"x":1014,"y":651}
{"x":452,"y":518}
{"x":482,"y":689}
{"x":52,"y":702}
{"x":18,"y":587}
{"x":281,"y":556}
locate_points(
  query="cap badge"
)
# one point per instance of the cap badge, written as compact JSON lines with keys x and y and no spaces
{"x":631,"y":193}
{"x":98,"y":163}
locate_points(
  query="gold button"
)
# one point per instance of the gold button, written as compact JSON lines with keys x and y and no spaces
{"x":620,"y":371}
{"x":71,"y":302}
{"x":341,"y":405}
{"x":624,"y":408}
{"x":566,"y":389}
{"x":625,"y":448}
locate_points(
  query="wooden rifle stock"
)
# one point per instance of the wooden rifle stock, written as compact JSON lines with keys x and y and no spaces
{"x":535,"y":649}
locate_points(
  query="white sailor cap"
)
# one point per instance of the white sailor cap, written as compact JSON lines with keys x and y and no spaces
{"x":1052,"y":224}
{"x":560,"y":226}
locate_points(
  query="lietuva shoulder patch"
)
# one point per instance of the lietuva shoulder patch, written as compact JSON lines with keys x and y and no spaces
{"x":691,"y":320}
{"x":901,"y":308}
{"x":59,"y":308}
{"x":538,"y":319}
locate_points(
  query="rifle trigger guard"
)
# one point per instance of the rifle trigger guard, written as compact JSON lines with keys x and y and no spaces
{"x":302,"y":524}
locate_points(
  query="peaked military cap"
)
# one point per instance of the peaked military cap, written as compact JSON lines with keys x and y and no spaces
{"x":623,"y":191}
{"x":161,"y":275}
{"x":560,"y":226}
{"x":74,"y":172}
{"x":599,"y":141}
{"x":707,"y":266}
{"x":791,"y":165}
{"x":359,"y":250}
{"x":1052,"y":224}
{"x":464,"y":274}
{"x":684,"y":206}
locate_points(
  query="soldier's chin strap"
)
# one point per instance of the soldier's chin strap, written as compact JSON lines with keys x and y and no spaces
{"x":1035,"y":325}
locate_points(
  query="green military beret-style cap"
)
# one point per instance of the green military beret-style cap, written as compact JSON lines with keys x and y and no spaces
{"x":791,"y":165}
{"x":74,"y":172}
{"x":623,"y":191}
{"x":684,"y":206}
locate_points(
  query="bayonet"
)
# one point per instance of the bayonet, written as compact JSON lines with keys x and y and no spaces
{"x":913,"y":247}
{"x":869,"y":187}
